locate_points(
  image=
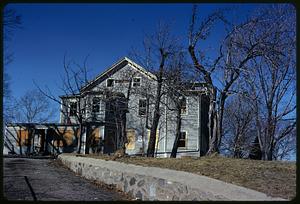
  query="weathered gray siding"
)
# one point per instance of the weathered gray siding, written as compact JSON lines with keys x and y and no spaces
{"x":167,"y":124}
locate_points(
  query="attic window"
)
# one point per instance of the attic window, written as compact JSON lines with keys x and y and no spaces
{"x":110,"y":82}
{"x":136,"y":81}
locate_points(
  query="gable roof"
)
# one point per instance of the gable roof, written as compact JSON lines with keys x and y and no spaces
{"x":114,"y":68}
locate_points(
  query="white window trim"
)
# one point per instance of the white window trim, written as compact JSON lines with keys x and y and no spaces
{"x":112,"y":83}
{"x":133,"y":81}
{"x":186,"y":139}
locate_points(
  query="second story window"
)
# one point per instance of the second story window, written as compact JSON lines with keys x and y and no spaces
{"x":136,"y":81}
{"x":183,"y":106}
{"x":142,"y":106}
{"x":96,"y":105}
{"x":73,"y":108}
{"x":110,"y":82}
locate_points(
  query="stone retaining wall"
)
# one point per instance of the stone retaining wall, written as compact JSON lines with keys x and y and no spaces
{"x":151,"y":183}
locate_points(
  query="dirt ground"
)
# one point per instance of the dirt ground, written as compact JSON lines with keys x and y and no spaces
{"x":275,"y":178}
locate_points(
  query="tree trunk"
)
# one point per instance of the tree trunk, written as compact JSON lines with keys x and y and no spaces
{"x":236,"y":147}
{"x":155,"y":120}
{"x":152,"y":140}
{"x":156,"y":117}
{"x":255,"y":152}
{"x":124,"y":138}
{"x":177,"y":137}
{"x":213,"y":124}
{"x":80,"y":137}
{"x":221,"y":116}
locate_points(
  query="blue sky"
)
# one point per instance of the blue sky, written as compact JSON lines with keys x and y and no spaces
{"x":105,"y":32}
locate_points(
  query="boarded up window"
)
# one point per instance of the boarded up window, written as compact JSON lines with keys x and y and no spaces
{"x":68,"y":135}
{"x":156,"y":140}
{"x":96,"y":135}
{"x":23,"y":136}
{"x":131,"y":139}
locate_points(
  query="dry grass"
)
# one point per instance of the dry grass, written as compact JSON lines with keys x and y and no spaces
{"x":275,"y":178}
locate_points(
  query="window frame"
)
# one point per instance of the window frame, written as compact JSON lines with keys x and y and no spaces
{"x":131,"y":139}
{"x":113,"y":82}
{"x":94,"y":104}
{"x":139,"y":107}
{"x":185,"y":140}
{"x":71,"y":112}
{"x":186,"y":107}
{"x":140,"y":82}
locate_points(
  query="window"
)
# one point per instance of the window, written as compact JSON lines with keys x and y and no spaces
{"x":142,"y":106}
{"x":183,"y":106}
{"x":110,"y":82}
{"x":96,"y":105}
{"x":136,"y":81}
{"x":22,"y":137}
{"x":130,"y":139}
{"x":182,"y":139}
{"x":73,"y":108}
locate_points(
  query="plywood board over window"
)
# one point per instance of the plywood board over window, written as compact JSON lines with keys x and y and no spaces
{"x":131,"y":139}
{"x":68,"y":135}
{"x":23,"y":136}
{"x":96,"y":134}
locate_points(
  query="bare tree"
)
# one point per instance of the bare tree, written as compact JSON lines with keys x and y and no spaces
{"x":34,"y":107}
{"x":286,"y":147}
{"x":273,"y":80}
{"x":239,"y":127}
{"x":242,"y":44}
{"x":73,"y":80}
{"x":178,"y":81}
{"x":119,"y":106}
{"x":159,"y":48}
